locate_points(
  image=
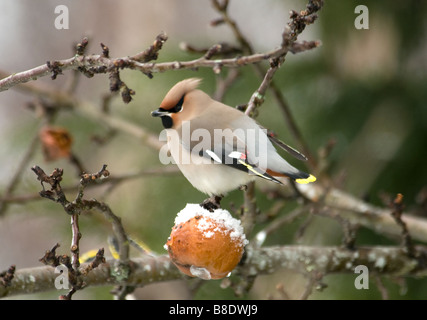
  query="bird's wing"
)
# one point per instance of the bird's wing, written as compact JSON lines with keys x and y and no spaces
{"x":230,"y":150}
{"x":295,"y":153}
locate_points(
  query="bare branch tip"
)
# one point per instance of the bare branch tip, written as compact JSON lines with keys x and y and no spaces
{"x":7,"y":276}
{"x":81,"y":47}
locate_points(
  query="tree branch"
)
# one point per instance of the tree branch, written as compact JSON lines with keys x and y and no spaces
{"x":102,"y":64}
{"x":362,"y":213}
{"x":148,"y":269}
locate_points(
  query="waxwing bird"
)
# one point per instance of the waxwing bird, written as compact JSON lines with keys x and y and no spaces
{"x":218,"y":148}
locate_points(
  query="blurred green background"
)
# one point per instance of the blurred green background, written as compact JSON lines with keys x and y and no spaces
{"x":365,"y":89}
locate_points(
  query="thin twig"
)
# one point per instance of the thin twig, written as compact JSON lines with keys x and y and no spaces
{"x":277,"y":223}
{"x":380,"y":285}
{"x":250,"y":210}
{"x":75,"y":240}
{"x":359,"y":212}
{"x":10,"y":188}
{"x":101,"y":64}
{"x":112,"y":181}
{"x":396,"y":212}
{"x":56,"y":193}
{"x":222,"y":85}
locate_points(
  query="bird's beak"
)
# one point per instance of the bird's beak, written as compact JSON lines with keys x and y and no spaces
{"x":159,"y":113}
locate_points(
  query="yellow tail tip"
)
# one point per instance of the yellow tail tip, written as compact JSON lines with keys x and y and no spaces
{"x":88,"y":256}
{"x":311,"y":178}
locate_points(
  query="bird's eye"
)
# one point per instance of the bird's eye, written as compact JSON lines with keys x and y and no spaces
{"x":178,"y":106}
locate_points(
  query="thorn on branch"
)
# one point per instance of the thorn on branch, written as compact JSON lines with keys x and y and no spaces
{"x":293,"y":14}
{"x":55,"y":193}
{"x":151,"y":53}
{"x":99,"y":259}
{"x":74,"y":275}
{"x":66,"y":261}
{"x":300,"y":21}
{"x":310,"y":19}
{"x":212,"y":51}
{"x":297,"y":47}
{"x":90,"y":177}
{"x":116,"y":84}
{"x":6,"y":277}
{"x":50,"y":258}
{"x":275,"y":62}
{"x":80,"y":47}
{"x":105,"y":51}
{"x":127,"y":93}
{"x":314,"y":5}
{"x":53,"y":179}
{"x":55,"y":68}
{"x":397,"y":206}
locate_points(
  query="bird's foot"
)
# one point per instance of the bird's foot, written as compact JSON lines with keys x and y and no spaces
{"x":212,"y":203}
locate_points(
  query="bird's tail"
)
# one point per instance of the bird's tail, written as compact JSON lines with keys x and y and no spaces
{"x":298,"y":176}
{"x":305,"y":178}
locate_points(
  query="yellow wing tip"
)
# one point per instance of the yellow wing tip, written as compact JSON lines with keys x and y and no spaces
{"x":311,"y":178}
